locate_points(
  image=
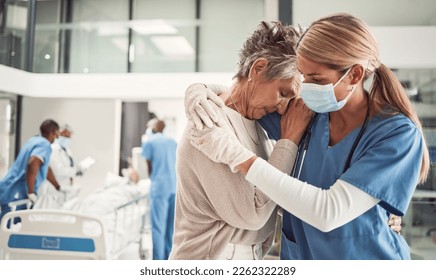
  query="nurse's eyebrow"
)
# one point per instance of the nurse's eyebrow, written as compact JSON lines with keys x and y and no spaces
{"x":311,"y":74}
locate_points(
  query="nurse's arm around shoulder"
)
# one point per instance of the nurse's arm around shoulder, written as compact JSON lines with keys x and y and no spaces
{"x":324,"y":209}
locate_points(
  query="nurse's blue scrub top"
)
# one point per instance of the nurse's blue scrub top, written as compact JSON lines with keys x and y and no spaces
{"x":14,"y":185}
{"x":386,"y":164}
{"x":161,"y":151}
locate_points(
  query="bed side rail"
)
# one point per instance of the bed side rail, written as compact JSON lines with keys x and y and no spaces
{"x":51,"y":234}
{"x":131,"y":219}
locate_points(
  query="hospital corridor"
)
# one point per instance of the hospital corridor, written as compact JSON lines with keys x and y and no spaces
{"x":217,"y":129}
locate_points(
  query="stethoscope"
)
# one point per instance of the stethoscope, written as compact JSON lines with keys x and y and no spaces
{"x":304,"y":145}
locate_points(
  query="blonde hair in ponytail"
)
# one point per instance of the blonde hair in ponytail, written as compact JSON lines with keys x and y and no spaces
{"x":386,"y":89}
{"x":340,"y":41}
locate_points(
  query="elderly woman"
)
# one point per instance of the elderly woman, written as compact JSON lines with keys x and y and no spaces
{"x":219,"y":215}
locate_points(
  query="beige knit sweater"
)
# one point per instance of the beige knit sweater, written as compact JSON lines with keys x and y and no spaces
{"x":214,"y":206}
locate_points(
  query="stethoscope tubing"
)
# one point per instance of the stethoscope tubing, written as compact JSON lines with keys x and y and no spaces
{"x":303,"y":147}
{"x":308,"y":133}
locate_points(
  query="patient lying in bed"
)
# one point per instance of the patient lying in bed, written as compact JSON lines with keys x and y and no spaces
{"x":121,"y":205}
{"x":115,"y":192}
{"x":122,"y":225}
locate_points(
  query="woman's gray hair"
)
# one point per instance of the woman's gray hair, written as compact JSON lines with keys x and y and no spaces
{"x":274,"y":42}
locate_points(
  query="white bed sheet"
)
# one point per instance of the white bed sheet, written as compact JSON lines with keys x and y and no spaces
{"x":121,"y":226}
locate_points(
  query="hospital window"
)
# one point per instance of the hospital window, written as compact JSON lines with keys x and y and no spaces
{"x":119,"y":36}
{"x":7,"y":130}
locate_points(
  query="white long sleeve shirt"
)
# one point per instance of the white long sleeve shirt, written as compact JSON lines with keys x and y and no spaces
{"x":325,"y":209}
{"x":60,"y":164}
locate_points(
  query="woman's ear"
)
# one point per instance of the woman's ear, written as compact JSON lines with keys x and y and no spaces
{"x":256,"y":69}
{"x":357,"y":74}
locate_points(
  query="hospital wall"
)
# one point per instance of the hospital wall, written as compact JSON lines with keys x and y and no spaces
{"x":172,"y":111}
{"x":95,"y":123}
{"x":376,"y":12}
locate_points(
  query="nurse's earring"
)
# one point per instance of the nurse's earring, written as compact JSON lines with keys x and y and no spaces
{"x":250,"y":79}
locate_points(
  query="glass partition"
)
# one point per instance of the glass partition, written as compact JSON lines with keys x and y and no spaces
{"x":113,"y":36}
{"x":13,"y":32}
{"x":99,"y":36}
{"x":164,"y":38}
{"x":419,"y":224}
{"x":46,"y":55}
{"x":420,"y":84}
{"x":7,"y":131}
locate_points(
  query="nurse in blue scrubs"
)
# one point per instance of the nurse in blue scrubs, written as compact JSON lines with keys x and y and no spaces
{"x":371,"y":140}
{"x":30,"y":168}
{"x":360,"y":160}
{"x":159,"y":151}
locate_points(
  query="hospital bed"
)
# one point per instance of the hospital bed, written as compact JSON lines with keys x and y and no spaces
{"x":68,"y":234}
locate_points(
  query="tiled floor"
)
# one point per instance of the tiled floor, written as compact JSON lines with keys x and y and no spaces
{"x":130,"y":253}
{"x":133,"y":252}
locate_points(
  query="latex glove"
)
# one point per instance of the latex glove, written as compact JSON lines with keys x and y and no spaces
{"x":32,"y":197}
{"x":395,"y":223}
{"x":64,"y":189}
{"x":199,"y":106}
{"x":220,"y":145}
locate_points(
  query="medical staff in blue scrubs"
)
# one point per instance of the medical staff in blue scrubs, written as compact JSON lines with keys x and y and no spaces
{"x":360,"y":160}
{"x":30,"y":168}
{"x":159,"y":151}
{"x":388,"y":160}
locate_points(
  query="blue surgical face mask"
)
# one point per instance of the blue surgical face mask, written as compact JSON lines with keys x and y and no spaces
{"x":149,"y":131}
{"x":64,"y":141}
{"x":321,"y":98}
